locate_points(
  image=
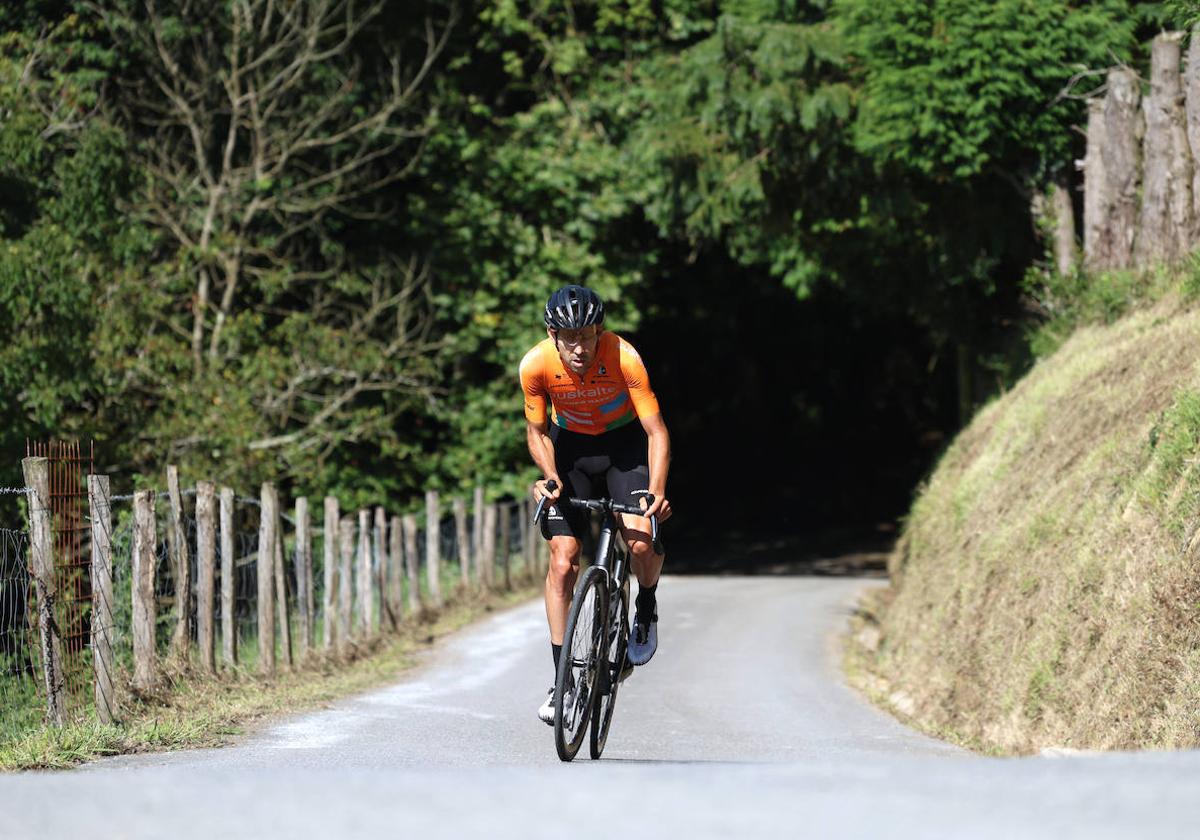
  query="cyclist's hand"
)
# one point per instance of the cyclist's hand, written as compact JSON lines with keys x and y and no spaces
{"x":540,"y":490}
{"x":661,"y":507}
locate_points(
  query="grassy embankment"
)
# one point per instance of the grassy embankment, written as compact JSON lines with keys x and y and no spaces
{"x":1046,"y":588}
{"x":197,"y":711}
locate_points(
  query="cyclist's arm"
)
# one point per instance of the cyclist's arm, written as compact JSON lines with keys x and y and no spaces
{"x":646,"y":405}
{"x":541,"y":449}
{"x":537,"y":430}
{"x":659,"y":455}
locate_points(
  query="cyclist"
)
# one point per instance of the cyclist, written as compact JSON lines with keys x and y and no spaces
{"x":596,"y":386}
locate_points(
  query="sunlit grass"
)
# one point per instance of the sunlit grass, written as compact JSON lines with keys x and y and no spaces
{"x":197,"y":710}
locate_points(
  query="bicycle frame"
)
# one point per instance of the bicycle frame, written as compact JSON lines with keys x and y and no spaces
{"x":614,"y":563}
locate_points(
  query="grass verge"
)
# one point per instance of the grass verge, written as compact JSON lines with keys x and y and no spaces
{"x":206,"y":711}
{"x":1044,"y":592}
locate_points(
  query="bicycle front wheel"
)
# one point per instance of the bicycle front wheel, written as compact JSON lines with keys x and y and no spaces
{"x":617,"y":627}
{"x":579,"y":663}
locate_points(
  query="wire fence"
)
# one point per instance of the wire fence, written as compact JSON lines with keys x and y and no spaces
{"x":20,"y":705}
{"x":22,"y":696}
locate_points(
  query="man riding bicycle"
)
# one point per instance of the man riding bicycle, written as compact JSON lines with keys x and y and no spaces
{"x":597,"y":387}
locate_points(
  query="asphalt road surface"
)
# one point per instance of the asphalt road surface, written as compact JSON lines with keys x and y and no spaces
{"x":740,"y":727}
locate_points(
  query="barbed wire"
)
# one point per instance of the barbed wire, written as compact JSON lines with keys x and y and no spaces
{"x":14,"y":491}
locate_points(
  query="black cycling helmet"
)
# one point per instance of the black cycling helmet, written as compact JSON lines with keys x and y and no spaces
{"x":572,"y":307}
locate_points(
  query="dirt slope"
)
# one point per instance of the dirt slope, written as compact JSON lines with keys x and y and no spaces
{"x":1046,"y":590}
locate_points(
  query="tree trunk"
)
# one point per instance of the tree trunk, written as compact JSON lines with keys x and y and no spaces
{"x":1165,"y":220}
{"x":1096,"y":200}
{"x":1055,"y":218}
{"x":1192,"y":107}
{"x":1121,"y":151}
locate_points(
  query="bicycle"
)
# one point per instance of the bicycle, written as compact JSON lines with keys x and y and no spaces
{"x":597,"y":634}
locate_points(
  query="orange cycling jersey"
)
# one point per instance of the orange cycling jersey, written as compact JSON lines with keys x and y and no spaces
{"x":614,"y":391}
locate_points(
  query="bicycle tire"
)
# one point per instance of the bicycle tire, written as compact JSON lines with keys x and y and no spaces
{"x":579,"y":663}
{"x":618,"y":633}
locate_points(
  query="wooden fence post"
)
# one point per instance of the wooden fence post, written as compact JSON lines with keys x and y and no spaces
{"x":488,"y":569}
{"x":281,"y":599}
{"x":396,"y":567}
{"x":477,"y":535}
{"x":145,"y":558}
{"x":304,"y":578}
{"x":366,"y":596}
{"x":433,"y":547}
{"x":206,"y":572}
{"x":41,"y":538}
{"x":100,"y":508}
{"x":181,"y":568}
{"x":462,"y":541}
{"x":529,"y":537}
{"x":542,"y":557}
{"x":332,"y":574}
{"x":504,"y":512}
{"x":229,"y":645}
{"x":411,"y":563}
{"x":268,"y":517}
{"x":345,"y":585}
{"x":387,"y":615}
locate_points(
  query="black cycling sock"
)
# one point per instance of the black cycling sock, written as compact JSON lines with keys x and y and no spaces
{"x":646,"y":601}
{"x":555,"y":650}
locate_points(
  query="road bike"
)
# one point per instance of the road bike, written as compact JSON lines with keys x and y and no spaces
{"x":593,"y":652}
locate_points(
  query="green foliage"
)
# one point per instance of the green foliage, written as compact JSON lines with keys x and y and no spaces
{"x":730,"y":125}
{"x":953,"y":88}
{"x":874,"y":152}
{"x":1066,"y":303}
{"x":543,"y":208}
{"x":1170,"y":487}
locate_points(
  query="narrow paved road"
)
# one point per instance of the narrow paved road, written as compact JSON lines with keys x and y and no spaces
{"x":740,"y":727}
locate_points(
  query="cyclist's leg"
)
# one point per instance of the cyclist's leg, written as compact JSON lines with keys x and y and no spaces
{"x":628,"y":480}
{"x":563,"y":528}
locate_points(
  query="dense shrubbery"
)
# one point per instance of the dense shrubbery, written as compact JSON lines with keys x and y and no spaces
{"x":884,"y":152}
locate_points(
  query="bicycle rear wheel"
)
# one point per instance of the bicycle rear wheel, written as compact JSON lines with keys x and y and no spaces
{"x":579,"y":663}
{"x":614,"y":659}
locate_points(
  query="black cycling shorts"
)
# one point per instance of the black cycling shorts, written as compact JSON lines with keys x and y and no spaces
{"x":613,"y":464}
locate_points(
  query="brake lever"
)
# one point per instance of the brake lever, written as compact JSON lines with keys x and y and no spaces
{"x":551,"y":485}
{"x":658,"y":548}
